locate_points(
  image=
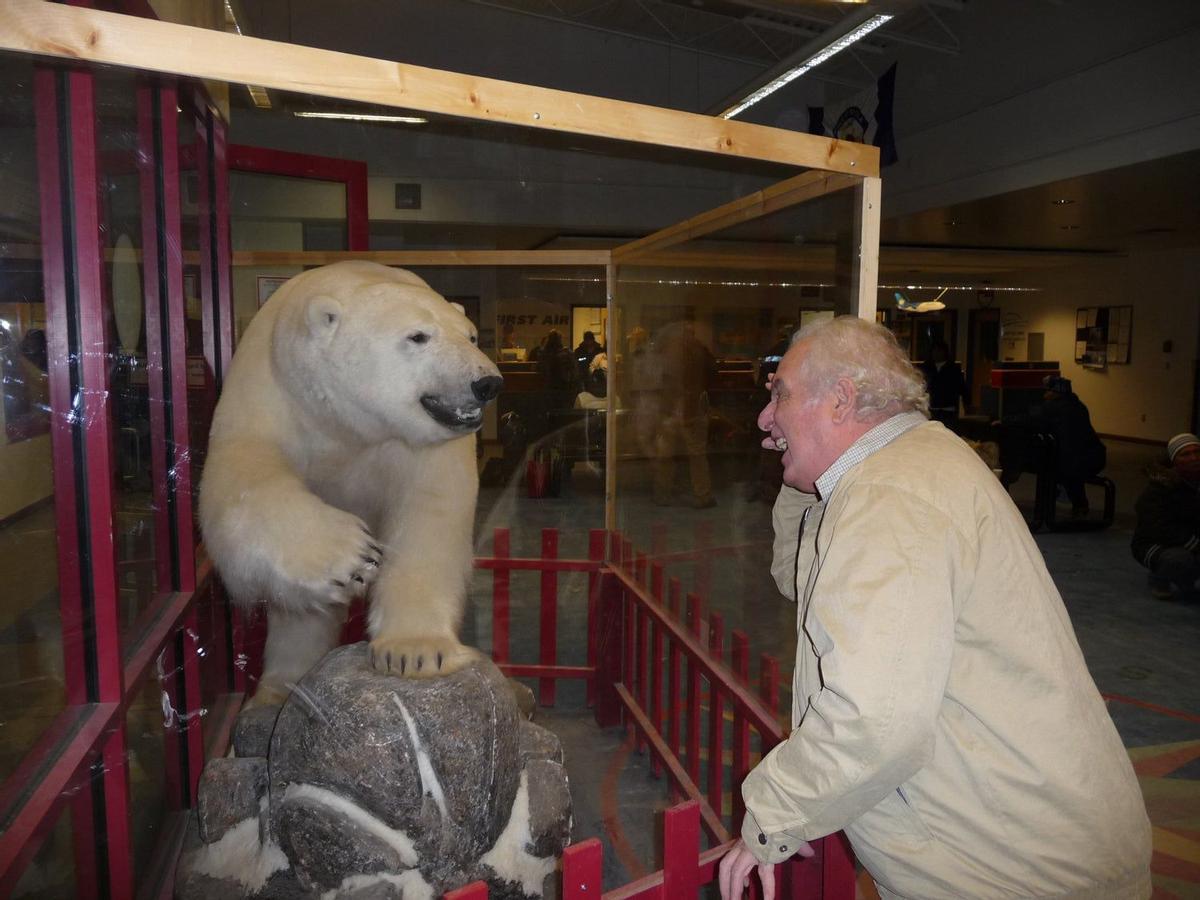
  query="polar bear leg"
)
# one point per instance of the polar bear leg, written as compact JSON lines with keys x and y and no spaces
{"x":418,"y":597}
{"x":296,"y":641}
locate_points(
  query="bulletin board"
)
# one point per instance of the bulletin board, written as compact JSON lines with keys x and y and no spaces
{"x":1103,"y":336}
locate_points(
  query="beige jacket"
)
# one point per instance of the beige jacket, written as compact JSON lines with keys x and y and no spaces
{"x":943,"y":713}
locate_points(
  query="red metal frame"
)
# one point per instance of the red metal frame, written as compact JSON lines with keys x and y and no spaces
{"x":81,"y":759}
{"x":352,"y":173}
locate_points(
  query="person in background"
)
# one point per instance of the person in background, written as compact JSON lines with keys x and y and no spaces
{"x":1080,"y":452}
{"x":556,"y":364}
{"x":942,"y":713}
{"x":946,"y":385}
{"x":1166,"y":539}
{"x":588,"y":348}
{"x":687,"y":366}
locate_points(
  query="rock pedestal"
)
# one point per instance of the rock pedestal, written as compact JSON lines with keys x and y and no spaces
{"x":367,"y":785}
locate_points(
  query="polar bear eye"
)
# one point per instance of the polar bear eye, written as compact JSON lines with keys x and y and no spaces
{"x":419,"y":337}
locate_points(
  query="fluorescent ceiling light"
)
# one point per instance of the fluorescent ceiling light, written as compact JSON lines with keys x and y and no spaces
{"x":362,"y":117}
{"x":832,"y":49}
{"x":258,"y":93}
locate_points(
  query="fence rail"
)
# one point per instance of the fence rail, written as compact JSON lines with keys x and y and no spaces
{"x":660,"y":668}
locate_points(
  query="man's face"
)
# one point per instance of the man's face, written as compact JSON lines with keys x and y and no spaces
{"x":803,"y":421}
{"x":1187,"y":463}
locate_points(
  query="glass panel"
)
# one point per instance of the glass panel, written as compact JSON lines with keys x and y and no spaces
{"x":192,"y":192}
{"x":31,"y":666}
{"x":51,"y":873}
{"x":698,"y":334}
{"x":121,"y":190}
{"x":150,"y":722}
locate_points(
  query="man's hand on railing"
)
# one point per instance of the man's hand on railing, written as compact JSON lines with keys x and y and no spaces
{"x":734,"y":873}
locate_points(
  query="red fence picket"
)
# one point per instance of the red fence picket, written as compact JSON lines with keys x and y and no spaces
{"x":634,"y":633}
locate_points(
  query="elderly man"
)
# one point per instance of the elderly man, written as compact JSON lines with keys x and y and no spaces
{"x":943,"y":714}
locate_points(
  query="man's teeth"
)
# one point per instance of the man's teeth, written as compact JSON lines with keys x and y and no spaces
{"x":781,"y":444}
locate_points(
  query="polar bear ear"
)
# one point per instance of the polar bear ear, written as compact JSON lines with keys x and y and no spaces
{"x":462,"y":309}
{"x":324,"y":314}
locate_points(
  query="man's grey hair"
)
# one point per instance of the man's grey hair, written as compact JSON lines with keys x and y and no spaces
{"x":868,"y":355}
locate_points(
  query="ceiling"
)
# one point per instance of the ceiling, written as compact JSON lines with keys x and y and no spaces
{"x":1148,"y":205}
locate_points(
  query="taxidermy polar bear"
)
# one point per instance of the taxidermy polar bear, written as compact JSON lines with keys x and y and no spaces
{"x":342,"y":460}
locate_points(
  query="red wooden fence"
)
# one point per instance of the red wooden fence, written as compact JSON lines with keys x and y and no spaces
{"x":637,"y":640}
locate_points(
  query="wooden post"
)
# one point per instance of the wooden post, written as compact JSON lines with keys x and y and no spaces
{"x":607,"y":710}
{"x":693,"y":695}
{"x":548,"y":627}
{"x":716,"y":719}
{"x":500,"y":597}
{"x":741,"y":731}
{"x":681,"y":851}
{"x":476,"y":890}
{"x":674,"y":711}
{"x":864,"y":269}
{"x":581,"y":871}
{"x":656,"y":664}
{"x":596,"y":540}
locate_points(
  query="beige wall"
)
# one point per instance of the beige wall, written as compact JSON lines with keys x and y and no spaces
{"x":27,"y":476}
{"x":1150,"y":398}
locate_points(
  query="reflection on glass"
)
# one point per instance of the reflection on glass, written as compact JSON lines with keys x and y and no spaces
{"x":694,"y":343}
{"x":51,"y":873}
{"x":193,"y":192}
{"x":121,"y":228}
{"x":31,"y":665}
{"x":148,"y":722}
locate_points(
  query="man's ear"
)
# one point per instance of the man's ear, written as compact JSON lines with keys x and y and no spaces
{"x":845,"y":400}
{"x":324,"y":315}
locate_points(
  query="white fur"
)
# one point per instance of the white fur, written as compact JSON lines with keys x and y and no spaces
{"x":394,"y":838}
{"x":510,"y":857}
{"x":239,"y":856}
{"x":319,"y":436}
{"x":411,"y":883}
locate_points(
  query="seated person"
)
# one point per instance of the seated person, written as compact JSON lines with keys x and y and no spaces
{"x":595,"y":390}
{"x":1081,"y":454}
{"x":1166,"y":539}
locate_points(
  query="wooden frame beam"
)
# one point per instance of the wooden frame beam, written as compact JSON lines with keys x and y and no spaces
{"x":409,"y":258}
{"x":801,"y":188}
{"x":76,"y":33}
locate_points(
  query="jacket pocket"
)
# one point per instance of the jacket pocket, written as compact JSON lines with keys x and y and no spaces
{"x":891,"y":830}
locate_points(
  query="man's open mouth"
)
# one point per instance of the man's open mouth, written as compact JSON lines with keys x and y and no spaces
{"x":455,"y":416}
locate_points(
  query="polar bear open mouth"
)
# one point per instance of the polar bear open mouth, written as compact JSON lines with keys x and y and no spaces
{"x":456,"y":416}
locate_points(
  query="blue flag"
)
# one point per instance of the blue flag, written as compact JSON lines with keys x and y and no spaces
{"x":865,"y":118}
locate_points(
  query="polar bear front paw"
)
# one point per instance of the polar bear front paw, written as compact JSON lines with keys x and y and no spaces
{"x":339,"y":565}
{"x":419,"y":656}
{"x":358,"y":566}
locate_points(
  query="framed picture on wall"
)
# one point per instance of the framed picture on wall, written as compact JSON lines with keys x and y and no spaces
{"x":269,"y":284}
{"x":1103,"y":336}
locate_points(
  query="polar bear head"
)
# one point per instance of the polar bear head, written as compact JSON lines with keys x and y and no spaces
{"x":377,"y":351}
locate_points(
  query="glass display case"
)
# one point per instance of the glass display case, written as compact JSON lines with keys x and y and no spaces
{"x":153,"y":209}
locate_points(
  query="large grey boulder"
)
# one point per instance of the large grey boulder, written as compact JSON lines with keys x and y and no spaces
{"x":381,"y":786}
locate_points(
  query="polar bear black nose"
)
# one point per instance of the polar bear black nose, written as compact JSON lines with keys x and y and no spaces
{"x":486,"y":388}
